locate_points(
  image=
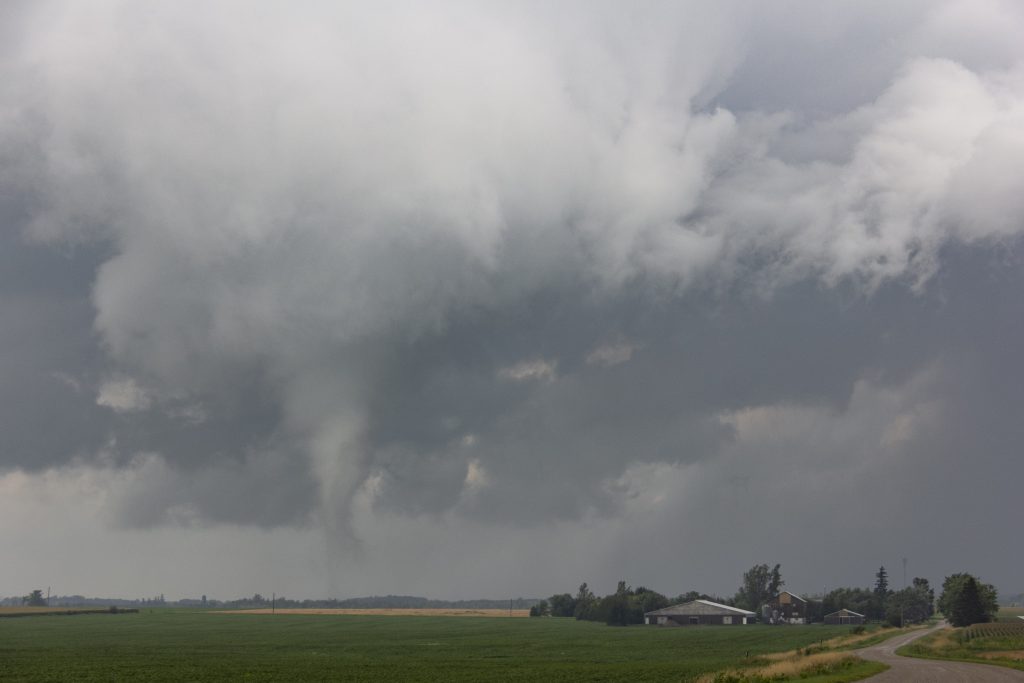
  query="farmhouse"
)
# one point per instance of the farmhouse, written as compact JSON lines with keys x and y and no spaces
{"x":699,"y":612}
{"x":786,"y":608}
{"x":844,"y":616}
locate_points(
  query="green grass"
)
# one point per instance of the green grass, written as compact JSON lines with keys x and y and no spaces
{"x":845,"y":672}
{"x":875,"y":634}
{"x":178,"y":645}
{"x":856,"y":672}
{"x":1000,"y":643}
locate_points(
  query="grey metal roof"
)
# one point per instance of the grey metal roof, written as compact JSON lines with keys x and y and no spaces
{"x":845,"y":612}
{"x":697,"y":608}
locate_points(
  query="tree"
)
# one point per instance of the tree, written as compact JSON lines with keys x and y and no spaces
{"x":881,"y":592}
{"x":540,"y":609}
{"x":35,"y":599}
{"x":562,"y":605}
{"x":776,"y":582}
{"x":911,"y":605}
{"x":926,"y":589}
{"x":881,"y":583}
{"x":760,"y":585}
{"x":615,"y":608}
{"x":980,"y":604}
{"x":857,"y":599}
{"x":966,"y":607}
{"x":690,"y":596}
{"x":585,"y":602}
{"x":642,"y":601}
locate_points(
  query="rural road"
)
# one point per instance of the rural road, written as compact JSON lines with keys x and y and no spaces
{"x":913,"y":670}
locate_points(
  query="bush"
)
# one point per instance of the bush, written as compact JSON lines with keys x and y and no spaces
{"x":540,"y":609}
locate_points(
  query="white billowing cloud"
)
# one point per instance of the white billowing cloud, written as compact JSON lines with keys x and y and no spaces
{"x":476,"y":478}
{"x":922,"y":172}
{"x":123,"y":395}
{"x":191,"y":413}
{"x":982,"y":33}
{"x":70,"y":381}
{"x":611,"y":354}
{"x":527,"y":370}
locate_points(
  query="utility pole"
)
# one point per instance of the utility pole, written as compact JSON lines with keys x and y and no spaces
{"x":904,"y":572}
{"x":273,"y":602}
{"x":47,"y":596}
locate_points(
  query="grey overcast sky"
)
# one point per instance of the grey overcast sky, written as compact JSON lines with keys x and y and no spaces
{"x":468,"y":299}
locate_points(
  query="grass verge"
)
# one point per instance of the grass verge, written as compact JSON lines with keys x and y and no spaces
{"x":827,"y":661}
{"x":997,"y":643}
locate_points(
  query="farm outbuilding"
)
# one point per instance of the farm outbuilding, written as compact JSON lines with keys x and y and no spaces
{"x":844,"y":616}
{"x":786,"y":608}
{"x":699,"y":612}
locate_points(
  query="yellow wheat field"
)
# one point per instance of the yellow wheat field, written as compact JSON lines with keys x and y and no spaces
{"x":391,"y":612}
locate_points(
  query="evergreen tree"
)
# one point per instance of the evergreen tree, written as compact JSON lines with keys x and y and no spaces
{"x":882,"y":583}
{"x":880,"y":594}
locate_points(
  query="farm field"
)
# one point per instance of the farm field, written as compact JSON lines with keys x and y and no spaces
{"x":174,"y":645}
{"x":994,"y":643}
{"x":1010,"y":614}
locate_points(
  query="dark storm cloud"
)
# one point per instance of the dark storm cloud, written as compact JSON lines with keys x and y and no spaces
{"x":49,"y":356}
{"x":497,"y":263}
{"x":700,"y":357}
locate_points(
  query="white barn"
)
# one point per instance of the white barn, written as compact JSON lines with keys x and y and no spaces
{"x":699,"y":612}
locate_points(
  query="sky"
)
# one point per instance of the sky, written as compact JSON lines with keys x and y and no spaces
{"x":491,"y":299}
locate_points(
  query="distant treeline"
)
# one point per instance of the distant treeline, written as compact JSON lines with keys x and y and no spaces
{"x":625,"y":606}
{"x":79,"y":601}
{"x":258,"y":600}
{"x":1015,"y":600}
{"x":964,"y":600}
{"x":34,"y":612}
{"x":380,"y":602}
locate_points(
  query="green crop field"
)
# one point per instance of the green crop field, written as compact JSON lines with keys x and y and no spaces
{"x":179,"y":645}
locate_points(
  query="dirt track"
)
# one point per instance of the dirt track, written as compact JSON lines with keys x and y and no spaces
{"x":914,"y":670}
